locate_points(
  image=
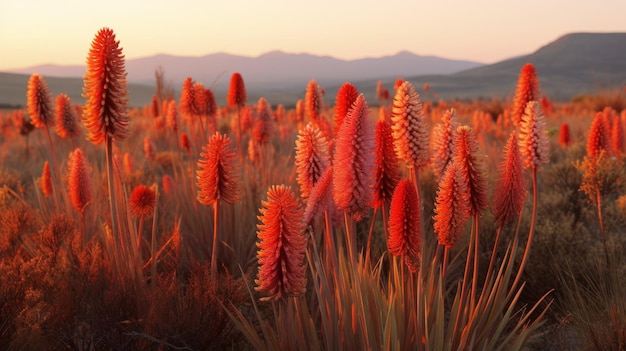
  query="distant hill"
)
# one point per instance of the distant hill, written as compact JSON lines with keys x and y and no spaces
{"x":574,"y":64}
{"x":273,"y":67}
{"x":13,"y":90}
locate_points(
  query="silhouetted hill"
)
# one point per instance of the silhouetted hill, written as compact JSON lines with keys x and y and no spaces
{"x":13,"y":90}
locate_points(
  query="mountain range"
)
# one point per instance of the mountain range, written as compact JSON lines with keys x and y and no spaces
{"x":574,"y":64}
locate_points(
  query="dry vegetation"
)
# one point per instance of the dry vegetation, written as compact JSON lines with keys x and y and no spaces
{"x":413,"y":225}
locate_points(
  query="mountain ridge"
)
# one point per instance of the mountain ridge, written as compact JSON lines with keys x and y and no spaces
{"x":573,"y":64}
{"x":272,"y":66}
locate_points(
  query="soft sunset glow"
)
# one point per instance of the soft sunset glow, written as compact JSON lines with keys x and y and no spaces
{"x":40,"y":32}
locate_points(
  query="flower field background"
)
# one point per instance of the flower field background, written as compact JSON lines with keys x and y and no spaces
{"x":405,"y":223}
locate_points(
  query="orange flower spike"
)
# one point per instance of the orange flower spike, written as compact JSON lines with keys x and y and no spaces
{"x":39,"y":102}
{"x":510,"y":191}
{"x":320,"y":197}
{"x":346,"y":95}
{"x":451,"y":207}
{"x":354,"y":161}
{"x":312,"y":158}
{"x":282,"y":246}
{"x":237,"y":96}
{"x":387,"y":173}
{"x":565,"y":136}
{"x":188,"y":99}
{"x":527,"y":90}
{"x":443,"y":142}
{"x":313,"y":101}
{"x":597,"y":140}
{"x":533,"y":140}
{"x":66,"y":124}
{"x":171,"y":116}
{"x":263,"y":125}
{"x":105,"y":88}
{"x":408,"y":127}
{"x":185,"y":143}
{"x":79,"y":182}
{"x":405,"y":230}
{"x":617,"y":137}
{"x":142,"y":201}
{"x":217,"y":171}
{"x":46,"y":180}
{"x":471,"y":167}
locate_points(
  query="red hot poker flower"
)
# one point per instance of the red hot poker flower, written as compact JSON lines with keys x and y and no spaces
{"x":405,"y":229}
{"x":39,"y":102}
{"x":217,"y":171}
{"x":105,"y":88}
{"x":312,"y":157}
{"x":282,"y":246}
{"x":510,"y":192}
{"x":409,"y":127}
{"x":452,"y":207}
{"x":354,"y":161}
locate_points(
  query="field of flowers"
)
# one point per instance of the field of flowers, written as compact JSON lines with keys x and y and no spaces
{"x":406,"y":223}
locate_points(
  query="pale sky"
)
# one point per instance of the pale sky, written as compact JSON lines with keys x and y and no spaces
{"x":36,"y":32}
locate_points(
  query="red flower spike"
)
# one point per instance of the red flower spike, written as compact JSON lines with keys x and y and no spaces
{"x":105,"y":88}
{"x":346,"y":95}
{"x":510,"y":191}
{"x":405,"y":229}
{"x":217,"y":171}
{"x":39,"y":102}
{"x":312,"y":158}
{"x":527,"y":90}
{"x":142,"y":201}
{"x":451,"y":207}
{"x":409,"y":127}
{"x":387,"y":173}
{"x":237,"y":96}
{"x":66,"y":120}
{"x":533,"y":140}
{"x":471,"y":167}
{"x":443,"y":142}
{"x":282,"y":246}
{"x":79,"y":182}
{"x":354,"y":161}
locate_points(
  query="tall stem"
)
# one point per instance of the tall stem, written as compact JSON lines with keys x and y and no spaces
{"x":599,"y":206}
{"x":350,"y":236}
{"x":530,"y":233}
{"x":493,"y":257}
{"x":239,"y":141}
{"x":139,"y":230}
{"x":330,"y":251}
{"x":113,"y":205}
{"x":462,"y":306}
{"x":215,"y":239}
{"x":55,"y":169}
{"x":476,"y":259}
{"x":369,"y":236}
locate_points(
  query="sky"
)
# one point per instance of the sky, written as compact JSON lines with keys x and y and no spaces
{"x":34,"y":32}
